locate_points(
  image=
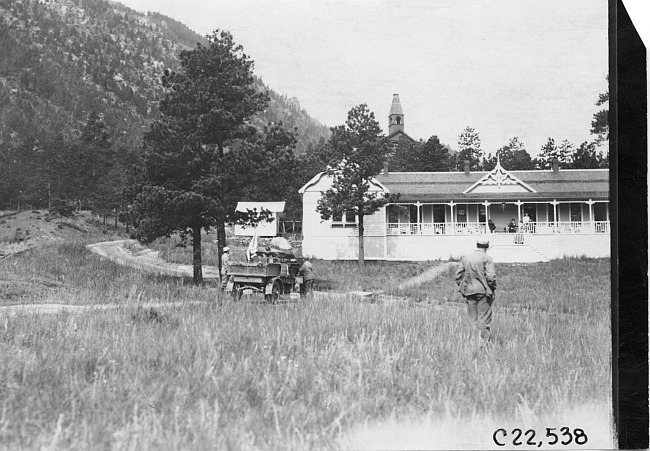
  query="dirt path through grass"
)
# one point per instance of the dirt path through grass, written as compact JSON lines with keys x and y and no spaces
{"x":146,"y":259}
{"x":150,"y":261}
{"x":426,"y":276}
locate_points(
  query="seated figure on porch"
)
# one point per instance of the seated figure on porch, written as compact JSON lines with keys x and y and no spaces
{"x":491,"y":225}
{"x":512,"y":227}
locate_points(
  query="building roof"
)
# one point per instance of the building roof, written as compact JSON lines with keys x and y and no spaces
{"x":396,"y":107}
{"x":275,"y":207}
{"x":317,"y":178}
{"x":445,"y":186}
{"x":395,"y":136}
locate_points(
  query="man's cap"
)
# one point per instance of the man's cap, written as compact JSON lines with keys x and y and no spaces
{"x":483,"y":241}
{"x":226,"y":249}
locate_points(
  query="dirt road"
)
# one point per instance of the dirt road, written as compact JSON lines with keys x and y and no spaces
{"x":121,"y":252}
{"x":146,"y":259}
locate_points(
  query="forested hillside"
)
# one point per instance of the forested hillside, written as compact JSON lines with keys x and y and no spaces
{"x":79,"y":73}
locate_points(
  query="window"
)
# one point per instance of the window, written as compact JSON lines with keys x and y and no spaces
{"x":461,"y":214}
{"x":551,"y":213}
{"x":344,"y":220}
{"x":576,"y":212}
{"x":393,"y":214}
{"x":438,"y":213}
{"x":399,"y":120}
{"x":481,"y":213}
{"x":600,"y":211}
{"x":413,"y":214}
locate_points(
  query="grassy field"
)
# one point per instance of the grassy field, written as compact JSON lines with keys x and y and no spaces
{"x":310,"y":375}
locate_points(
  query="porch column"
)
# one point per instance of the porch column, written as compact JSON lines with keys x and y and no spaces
{"x":519,"y":204}
{"x":453,"y":220}
{"x":591,"y":215}
{"x":555,"y":218}
{"x":419,"y":218}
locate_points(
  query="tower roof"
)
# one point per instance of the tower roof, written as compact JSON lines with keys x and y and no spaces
{"x":396,"y":107}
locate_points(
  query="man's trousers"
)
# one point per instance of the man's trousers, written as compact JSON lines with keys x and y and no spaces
{"x":479,"y":311}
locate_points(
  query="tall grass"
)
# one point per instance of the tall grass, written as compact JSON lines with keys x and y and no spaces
{"x":297,"y":375}
{"x":87,"y":278}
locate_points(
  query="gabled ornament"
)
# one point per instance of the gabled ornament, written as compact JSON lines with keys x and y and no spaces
{"x":498,"y":180}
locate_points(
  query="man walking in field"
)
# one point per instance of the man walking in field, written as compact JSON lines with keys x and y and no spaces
{"x":477,"y":282}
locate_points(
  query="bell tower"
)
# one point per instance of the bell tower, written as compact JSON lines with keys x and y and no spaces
{"x":395,"y":117}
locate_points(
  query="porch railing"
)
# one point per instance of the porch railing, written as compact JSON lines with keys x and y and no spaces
{"x":469,"y":228}
{"x":435,"y":228}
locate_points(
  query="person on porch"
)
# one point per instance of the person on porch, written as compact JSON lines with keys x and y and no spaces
{"x":512,"y":227}
{"x":526,"y":222}
{"x":491,"y":225}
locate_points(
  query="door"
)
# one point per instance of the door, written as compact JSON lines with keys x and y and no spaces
{"x":461,"y":213}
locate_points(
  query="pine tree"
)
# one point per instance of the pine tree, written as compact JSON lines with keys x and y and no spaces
{"x":428,"y":156}
{"x":469,"y":149}
{"x":513,"y":157}
{"x":190,"y":180}
{"x":359,"y":149}
{"x":586,"y":157}
{"x":600,"y":121}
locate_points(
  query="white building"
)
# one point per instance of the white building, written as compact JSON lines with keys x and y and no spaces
{"x":439,"y":215}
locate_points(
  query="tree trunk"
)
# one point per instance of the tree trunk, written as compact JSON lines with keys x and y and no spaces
{"x":221,"y":241}
{"x":362,"y":261}
{"x":115,"y":218}
{"x":196,"y":255}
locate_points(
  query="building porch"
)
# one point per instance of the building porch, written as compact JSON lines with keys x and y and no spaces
{"x":545,"y":217}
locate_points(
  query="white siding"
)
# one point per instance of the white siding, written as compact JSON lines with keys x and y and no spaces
{"x":323,"y":240}
{"x":437,"y":247}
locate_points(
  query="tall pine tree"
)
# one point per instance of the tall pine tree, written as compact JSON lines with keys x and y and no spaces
{"x":469,"y":149}
{"x":359,"y":149}
{"x":189,"y":174}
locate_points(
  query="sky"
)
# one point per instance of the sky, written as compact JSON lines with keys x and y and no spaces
{"x":526,"y":68}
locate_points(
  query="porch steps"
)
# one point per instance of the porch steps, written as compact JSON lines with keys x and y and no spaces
{"x":508,"y":248}
{"x":516,"y":253}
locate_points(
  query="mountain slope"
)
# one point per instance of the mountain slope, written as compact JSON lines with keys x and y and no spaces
{"x":60,"y":60}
